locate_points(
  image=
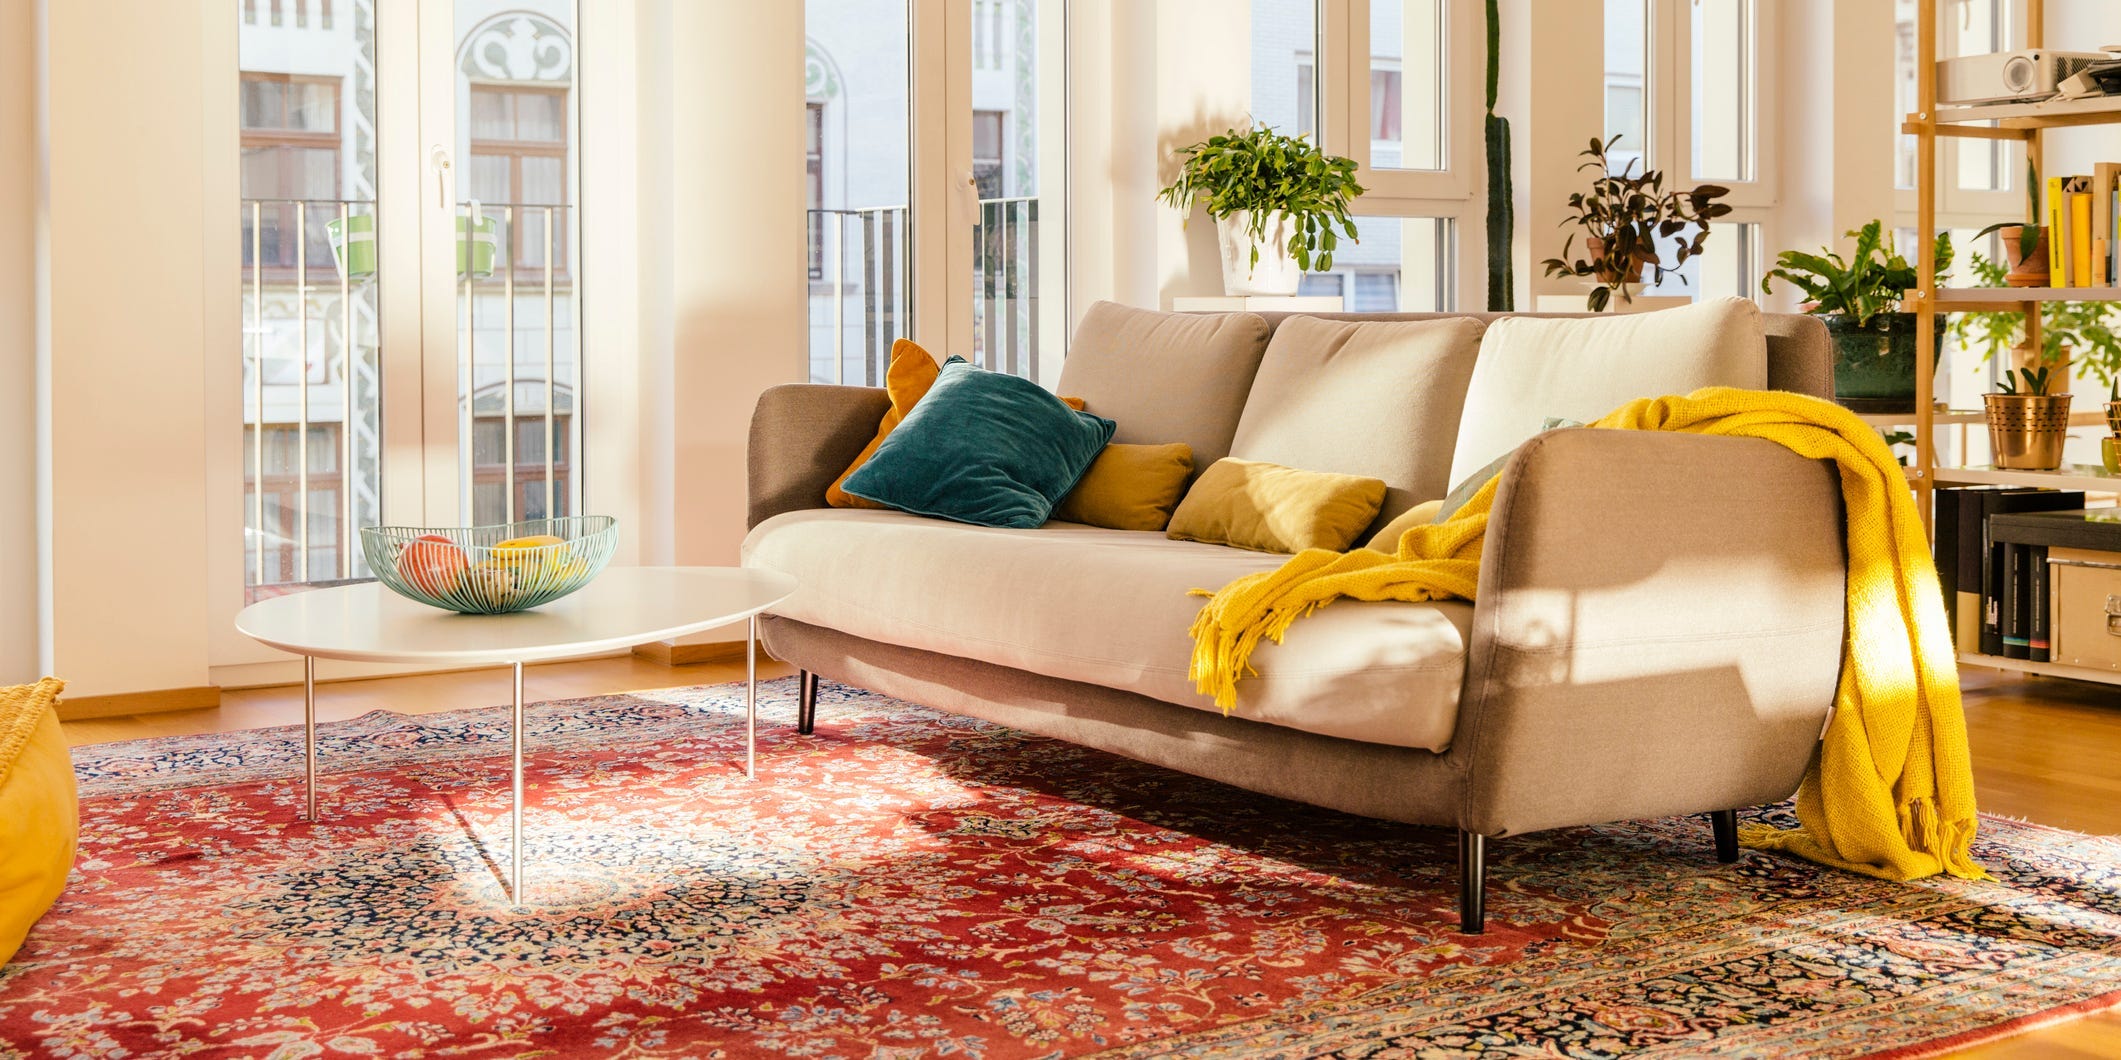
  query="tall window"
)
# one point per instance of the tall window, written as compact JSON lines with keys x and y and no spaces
{"x":519,"y":156}
{"x":1284,"y":65}
{"x":290,"y":131}
{"x":857,"y":153}
{"x":1386,"y":98}
{"x":987,"y":152}
{"x":1707,"y":130}
{"x":814,"y":182}
{"x":1627,"y":29}
{"x":519,"y":357}
{"x":311,"y":430}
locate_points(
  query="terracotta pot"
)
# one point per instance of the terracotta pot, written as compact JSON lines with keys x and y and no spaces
{"x":1611,"y":273}
{"x":2028,"y":265}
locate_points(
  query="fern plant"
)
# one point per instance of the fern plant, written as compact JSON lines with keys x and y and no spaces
{"x":1866,"y":284}
{"x":1264,"y":172}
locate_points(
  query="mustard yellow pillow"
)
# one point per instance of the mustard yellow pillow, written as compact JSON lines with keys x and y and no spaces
{"x":909,"y":376}
{"x":1387,"y":539}
{"x":39,"y":818}
{"x":1130,"y":487}
{"x":907,"y":379}
{"x":1266,"y":507}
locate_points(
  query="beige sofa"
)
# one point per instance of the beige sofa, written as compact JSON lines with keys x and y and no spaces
{"x":1658,"y":629}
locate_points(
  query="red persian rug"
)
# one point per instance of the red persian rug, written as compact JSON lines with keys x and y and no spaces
{"x":914,"y":884}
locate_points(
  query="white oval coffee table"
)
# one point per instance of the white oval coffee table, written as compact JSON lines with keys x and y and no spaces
{"x":623,"y":607}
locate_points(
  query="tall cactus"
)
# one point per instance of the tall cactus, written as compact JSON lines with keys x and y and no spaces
{"x":1502,"y":213}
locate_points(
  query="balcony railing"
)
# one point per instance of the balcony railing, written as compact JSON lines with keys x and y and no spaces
{"x":859,"y":292}
{"x":282,"y":241}
{"x":312,"y":395}
{"x":1005,"y":286}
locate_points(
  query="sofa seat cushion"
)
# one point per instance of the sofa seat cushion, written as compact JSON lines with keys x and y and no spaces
{"x":1110,"y":607}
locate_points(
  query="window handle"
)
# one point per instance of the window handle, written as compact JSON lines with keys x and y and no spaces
{"x":441,"y":164}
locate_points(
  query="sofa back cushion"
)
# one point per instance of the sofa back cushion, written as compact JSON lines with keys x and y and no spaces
{"x":1533,"y":368}
{"x":1166,"y":377}
{"x":1369,"y":398}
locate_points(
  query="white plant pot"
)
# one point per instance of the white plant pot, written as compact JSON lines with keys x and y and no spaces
{"x":1276,"y":273}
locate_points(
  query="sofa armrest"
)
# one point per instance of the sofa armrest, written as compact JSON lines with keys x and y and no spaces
{"x":802,"y":437}
{"x":1658,"y":629}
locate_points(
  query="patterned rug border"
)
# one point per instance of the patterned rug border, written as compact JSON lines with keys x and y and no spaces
{"x":383,"y":739}
{"x":2016,"y":1028}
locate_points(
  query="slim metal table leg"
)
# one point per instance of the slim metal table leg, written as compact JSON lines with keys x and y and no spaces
{"x":751,"y":697}
{"x":515,"y":809}
{"x":309,"y":736}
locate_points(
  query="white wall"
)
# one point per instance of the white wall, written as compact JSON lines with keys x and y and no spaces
{"x":18,"y":343}
{"x":124,"y":529}
{"x":1837,"y":115}
{"x":1148,"y":79}
{"x":737,"y":257}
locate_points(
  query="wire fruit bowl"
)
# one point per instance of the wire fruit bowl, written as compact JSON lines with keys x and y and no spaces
{"x":491,"y":570}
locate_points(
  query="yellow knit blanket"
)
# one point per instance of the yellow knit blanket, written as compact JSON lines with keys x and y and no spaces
{"x":1891,"y":793}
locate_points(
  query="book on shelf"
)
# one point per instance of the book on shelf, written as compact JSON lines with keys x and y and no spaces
{"x":2080,"y":236}
{"x":2017,"y":596}
{"x":2040,"y":589}
{"x":1995,"y":558}
{"x":2105,"y":177}
{"x":2035,"y":534}
{"x":2083,"y":218}
{"x":2058,"y":257}
{"x":1969,"y":550}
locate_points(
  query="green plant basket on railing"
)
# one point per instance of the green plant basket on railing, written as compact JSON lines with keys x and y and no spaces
{"x":491,"y":570}
{"x":353,"y":245}
{"x":478,"y":246}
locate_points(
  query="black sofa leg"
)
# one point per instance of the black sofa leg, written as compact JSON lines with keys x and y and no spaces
{"x":1726,"y":825}
{"x":1472,"y":882}
{"x":806,"y":702}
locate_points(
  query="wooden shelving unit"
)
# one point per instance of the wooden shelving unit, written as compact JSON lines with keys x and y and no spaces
{"x":2025,"y":123}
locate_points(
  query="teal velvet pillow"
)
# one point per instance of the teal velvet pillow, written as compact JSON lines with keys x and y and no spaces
{"x":982,"y":448}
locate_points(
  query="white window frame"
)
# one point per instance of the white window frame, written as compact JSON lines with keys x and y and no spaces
{"x":1957,"y":207}
{"x":1343,"y":70}
{"x":1668,"y":121}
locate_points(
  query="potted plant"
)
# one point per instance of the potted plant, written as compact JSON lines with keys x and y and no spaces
{"x":2027,"y":241}
{"x":1859,"y":301}
{"x":2026,"y":424}
{"x":1277,"y":202}
{"x":1624,"y":218}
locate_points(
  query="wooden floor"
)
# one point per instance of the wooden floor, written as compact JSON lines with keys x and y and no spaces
{"x":2044,"y":750}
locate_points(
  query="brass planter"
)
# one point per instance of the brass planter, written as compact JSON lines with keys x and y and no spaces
{"x":2113,"y":417}
{"x":2026,"y":431}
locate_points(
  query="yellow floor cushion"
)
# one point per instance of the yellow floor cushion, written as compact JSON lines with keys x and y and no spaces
{"x":39,"y":818}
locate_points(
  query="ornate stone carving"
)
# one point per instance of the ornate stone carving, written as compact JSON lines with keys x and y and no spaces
{"x":519,"y":47}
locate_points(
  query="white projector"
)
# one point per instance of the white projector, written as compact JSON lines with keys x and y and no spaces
{"x":2008,"y":77}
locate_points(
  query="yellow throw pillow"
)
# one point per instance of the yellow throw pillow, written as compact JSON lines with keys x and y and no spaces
{"x":39,"y":818}
{"x":907,"y":378}
{"x":1387,"y":539}
{"x":1270,"y":508}
{"x":1130,"y":487}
